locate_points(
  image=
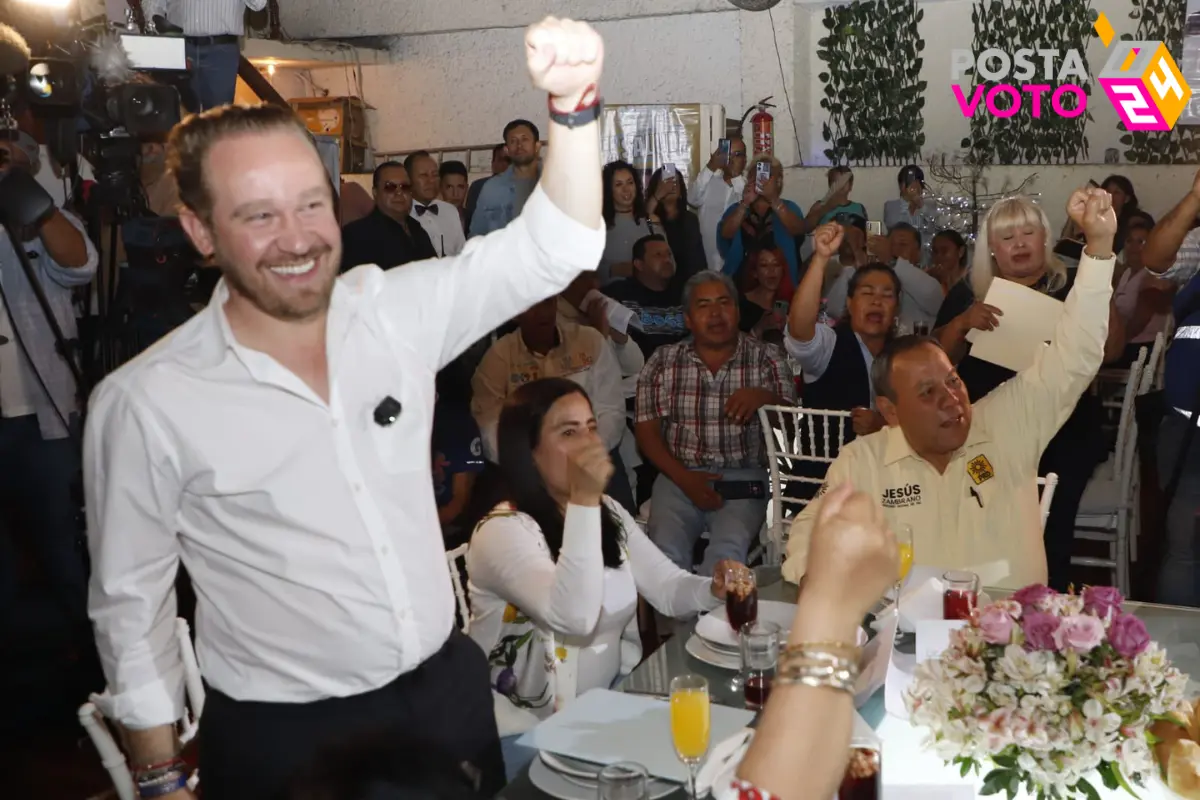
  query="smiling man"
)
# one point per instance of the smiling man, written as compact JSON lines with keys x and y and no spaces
{"x":963,"y":476}
{"x":278,"y":446}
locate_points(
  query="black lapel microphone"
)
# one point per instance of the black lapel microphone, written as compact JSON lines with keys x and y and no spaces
{"x":388,"y":411}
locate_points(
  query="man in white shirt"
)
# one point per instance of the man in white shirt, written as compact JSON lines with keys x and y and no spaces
{"x":439,"y":219}
{"x":718,"y":186}
{"x":277,"y":446}
{"x":213,"y":31}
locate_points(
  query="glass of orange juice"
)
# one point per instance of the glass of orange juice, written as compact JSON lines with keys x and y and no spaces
{"x":690,"y":723}
{"x":904,"y":542}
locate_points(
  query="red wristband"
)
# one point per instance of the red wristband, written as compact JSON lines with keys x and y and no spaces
{"x":589,"y":99}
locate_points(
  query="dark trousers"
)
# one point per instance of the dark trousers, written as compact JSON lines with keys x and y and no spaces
{"x":1074,"y":471}
{"x":252,"y":750}
{"x":1179,"y":578}
{"x":36,"y":479}
{"x":214,"y":74}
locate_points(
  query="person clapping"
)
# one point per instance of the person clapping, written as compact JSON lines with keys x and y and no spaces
{"x":554,"y":562}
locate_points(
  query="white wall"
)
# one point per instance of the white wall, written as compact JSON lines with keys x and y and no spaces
{"x":460,"y":88}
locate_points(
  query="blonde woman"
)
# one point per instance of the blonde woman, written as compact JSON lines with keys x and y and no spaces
{"x":1014,"y":244}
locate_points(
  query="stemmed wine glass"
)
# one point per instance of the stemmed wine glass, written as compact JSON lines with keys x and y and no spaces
{"x":690,"y":727}
{"x":904,"y":542}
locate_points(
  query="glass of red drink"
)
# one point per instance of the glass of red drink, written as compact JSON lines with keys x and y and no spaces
{"x":960,"y":594}
{"x":759,"y":643}
{"x":741,"y":596}
{"x":864,"y":776}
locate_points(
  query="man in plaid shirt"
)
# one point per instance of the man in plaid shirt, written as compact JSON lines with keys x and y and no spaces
{"x":697,"y":422}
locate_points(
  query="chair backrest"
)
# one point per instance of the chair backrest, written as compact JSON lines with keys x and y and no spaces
{"x":797,"y":436}
{"x":1048,"y":484}
{"x":460,"y":595}
{"x":192,"y":681}
{"x":1154,"y":364}
{"x":1123,"y":455}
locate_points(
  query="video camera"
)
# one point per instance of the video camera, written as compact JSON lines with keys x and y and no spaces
{"x":97,"y":89}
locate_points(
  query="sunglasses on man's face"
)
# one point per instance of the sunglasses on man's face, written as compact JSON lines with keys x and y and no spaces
{"x":391,"y":187}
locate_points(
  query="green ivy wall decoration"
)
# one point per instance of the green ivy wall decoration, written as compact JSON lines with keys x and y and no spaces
{"x":1160,"y":20}
{"x":872,"y":88}
{"x":1010,"y":25}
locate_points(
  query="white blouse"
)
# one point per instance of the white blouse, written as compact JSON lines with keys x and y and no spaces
{"x":522,"y":599}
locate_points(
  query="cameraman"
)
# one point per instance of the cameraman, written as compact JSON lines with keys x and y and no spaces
{"x":38,"y":400}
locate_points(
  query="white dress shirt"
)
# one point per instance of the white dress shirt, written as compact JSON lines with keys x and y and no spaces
{"x":713,"y":196}
{"x":444,"y":228}
{"x":206,"y":17}
{"x":309,"y":530}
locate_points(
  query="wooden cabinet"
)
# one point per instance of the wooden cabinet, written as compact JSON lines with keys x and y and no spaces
{"x":344,"y":118}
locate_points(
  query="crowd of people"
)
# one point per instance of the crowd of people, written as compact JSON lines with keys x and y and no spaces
{"x":586,"y":350}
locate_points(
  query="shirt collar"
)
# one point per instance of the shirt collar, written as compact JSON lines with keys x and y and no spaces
{"x":560,"y":340}
{"x":898,"y":448}
{"x":690,"y":344}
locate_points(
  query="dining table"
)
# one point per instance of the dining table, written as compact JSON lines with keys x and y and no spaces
{"x":1175,"y":628}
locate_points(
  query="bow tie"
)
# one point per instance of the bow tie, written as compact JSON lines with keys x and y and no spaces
{"x":431,"y":208}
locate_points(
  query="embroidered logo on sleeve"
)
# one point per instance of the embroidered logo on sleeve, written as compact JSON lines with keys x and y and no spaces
{"x":980,"y":469}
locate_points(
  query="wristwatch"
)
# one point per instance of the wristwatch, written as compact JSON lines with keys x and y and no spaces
{"x":580,"y":116}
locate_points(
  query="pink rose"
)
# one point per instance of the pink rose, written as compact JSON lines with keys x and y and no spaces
{"x":1079,"y":632}
{"x":1040,"y":628}
{"x":1128,"y":635}
{"x":996,"y":625}
{"x":1032,"y":595}
{"x":1103,"y":601}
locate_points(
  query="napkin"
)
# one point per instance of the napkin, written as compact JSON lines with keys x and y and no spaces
{"x":933,"y":637}
{"x":718,"y":771}
{"x":873,"y":667}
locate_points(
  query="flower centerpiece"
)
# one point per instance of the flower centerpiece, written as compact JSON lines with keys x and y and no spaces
{"x":1051,"y":690}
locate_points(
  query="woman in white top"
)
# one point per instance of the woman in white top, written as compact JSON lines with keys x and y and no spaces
{"x":556,"y":567}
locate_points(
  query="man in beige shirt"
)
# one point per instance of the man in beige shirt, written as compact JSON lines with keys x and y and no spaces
{"x":964,"y":477}
{"x":546,"y":346}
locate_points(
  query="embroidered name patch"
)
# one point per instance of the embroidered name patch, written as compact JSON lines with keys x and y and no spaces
{"x":902,"y":496}
{"x":980,"y":469}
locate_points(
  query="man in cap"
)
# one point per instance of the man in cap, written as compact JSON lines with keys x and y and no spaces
{"x":912,"y":206}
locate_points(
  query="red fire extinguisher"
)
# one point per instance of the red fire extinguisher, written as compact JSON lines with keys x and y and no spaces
{"x":762,"y":124}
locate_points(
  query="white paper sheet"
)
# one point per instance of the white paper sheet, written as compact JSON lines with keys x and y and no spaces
{"x":1029,"y":321}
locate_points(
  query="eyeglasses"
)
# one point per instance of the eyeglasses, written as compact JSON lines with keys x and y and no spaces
{"x":391,"y":187}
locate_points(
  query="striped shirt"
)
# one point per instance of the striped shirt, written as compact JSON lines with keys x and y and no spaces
{"x":678,"y":389}
{"x":212,"y":17}
{"x":1187,"y":260}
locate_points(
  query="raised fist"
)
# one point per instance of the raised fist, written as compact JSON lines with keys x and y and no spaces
{"x":1091,"y":209}
{"x":565,"y":59}
{"x":827,"y":239}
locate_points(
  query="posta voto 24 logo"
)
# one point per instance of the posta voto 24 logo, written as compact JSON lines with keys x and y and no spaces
{"x":1141,"y":79}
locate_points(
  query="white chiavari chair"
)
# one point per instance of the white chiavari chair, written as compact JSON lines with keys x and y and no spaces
{"x":460,"y":594}
{"x":801,"y":444}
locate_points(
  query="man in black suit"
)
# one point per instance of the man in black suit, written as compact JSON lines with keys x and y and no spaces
{"x":387,"y":236}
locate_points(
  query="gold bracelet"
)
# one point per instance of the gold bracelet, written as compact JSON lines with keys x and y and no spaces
{"x":841,"y":676}
{"x":804,"y":648}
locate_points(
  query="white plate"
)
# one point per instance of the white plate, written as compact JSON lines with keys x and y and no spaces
{"x":569,"y":787}
{"x":700,"y":651}
{"x":714,"y":626}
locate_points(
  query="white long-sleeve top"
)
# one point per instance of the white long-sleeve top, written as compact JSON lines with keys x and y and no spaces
{"x":712,"y":196}
{"x":310,"y":531}
{"x":516,"y":588}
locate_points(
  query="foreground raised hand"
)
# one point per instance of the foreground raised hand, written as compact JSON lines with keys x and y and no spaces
{"x":565,"y":59}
